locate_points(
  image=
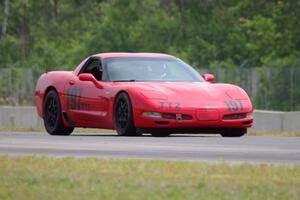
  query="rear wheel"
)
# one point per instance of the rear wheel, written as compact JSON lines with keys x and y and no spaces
{"x":234,"y":132}
{"x":123,"y":116}
{"x":52,"y":115}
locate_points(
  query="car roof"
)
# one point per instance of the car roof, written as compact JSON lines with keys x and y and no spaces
{"x":118,"y":55}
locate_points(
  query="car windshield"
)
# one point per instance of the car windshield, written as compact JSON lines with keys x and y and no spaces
{"x":150,"y":69}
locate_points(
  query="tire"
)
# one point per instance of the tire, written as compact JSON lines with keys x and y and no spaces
{"x":53,"y":121}
{"x":123,"y":116}
{"x":234,"y":132}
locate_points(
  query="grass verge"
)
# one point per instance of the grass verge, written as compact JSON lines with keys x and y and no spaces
{"x":273,"y":133}
{"x":70,"y":178}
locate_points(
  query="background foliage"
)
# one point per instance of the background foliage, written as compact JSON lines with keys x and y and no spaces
{"x":226,"y":37}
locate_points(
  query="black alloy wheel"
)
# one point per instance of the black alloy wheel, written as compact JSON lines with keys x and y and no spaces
{"x":123,"y":116}
{"x":53,"y":117}
{"x":51,"y":112}
{"x":122,"y":113}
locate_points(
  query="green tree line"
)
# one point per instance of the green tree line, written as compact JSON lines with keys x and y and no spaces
{"x":58,"y":34}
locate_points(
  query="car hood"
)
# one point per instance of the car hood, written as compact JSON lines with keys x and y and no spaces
{"x":191,"y":93}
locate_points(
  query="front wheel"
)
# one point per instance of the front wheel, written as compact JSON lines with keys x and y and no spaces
{"x":234,"y":132}
{"x":123,"y":116}
{"x":52,"y":115}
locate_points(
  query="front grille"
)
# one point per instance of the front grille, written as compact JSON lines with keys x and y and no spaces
{"x":173,"y":116}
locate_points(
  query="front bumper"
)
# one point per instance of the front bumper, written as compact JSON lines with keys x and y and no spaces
{"x":199,"y":118}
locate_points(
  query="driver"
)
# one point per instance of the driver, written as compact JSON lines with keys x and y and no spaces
{"x":158,"y":71}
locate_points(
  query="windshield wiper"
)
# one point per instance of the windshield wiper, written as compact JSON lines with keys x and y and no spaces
{"x":129,"y":80}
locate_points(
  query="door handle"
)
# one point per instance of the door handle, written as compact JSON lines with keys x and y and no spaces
{"x":71,"y":82}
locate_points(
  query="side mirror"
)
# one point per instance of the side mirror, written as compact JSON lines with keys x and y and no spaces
{"x":208,"y":77}
{"x":91,"y":78}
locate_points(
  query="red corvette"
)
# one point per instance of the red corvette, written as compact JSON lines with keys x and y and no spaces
{"x":138,"y":93}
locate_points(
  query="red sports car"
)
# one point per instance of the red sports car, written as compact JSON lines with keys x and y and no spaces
{"x":136,"y":93}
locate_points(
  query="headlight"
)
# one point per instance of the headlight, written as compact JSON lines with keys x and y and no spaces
{"x":236,"y":93}
{"x":250,"y":115}
{"x":152,"y":114}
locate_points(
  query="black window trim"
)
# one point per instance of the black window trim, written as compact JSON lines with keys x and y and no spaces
{"x":91,"y":59}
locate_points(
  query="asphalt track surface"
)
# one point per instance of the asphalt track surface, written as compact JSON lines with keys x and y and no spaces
{"x":271,"y":150}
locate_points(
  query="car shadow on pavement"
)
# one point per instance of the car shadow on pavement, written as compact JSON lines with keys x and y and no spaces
{"x":144,"y":135}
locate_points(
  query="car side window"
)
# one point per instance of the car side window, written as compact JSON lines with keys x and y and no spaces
{"x":94,"y":67}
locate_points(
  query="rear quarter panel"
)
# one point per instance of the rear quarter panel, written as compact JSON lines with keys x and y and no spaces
{"x":55,"y":80}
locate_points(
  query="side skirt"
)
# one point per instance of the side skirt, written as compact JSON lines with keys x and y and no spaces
{"x":68,"y":119}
